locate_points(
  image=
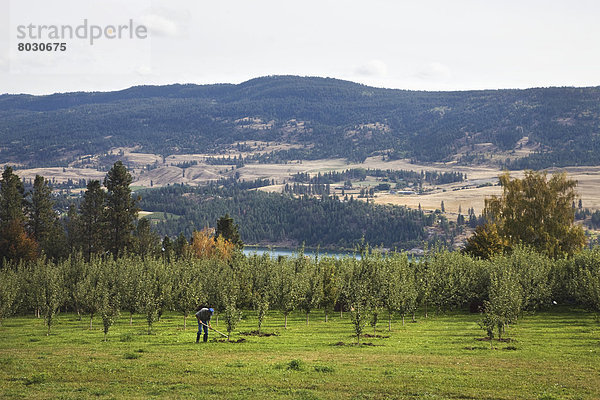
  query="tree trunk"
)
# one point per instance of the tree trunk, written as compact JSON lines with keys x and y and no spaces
{"x":130,"y":318}
{"x":325,"y":316}
{"x":402,"y":319}
{"x":217,"y":320}
{"x":184,"y":322}
{"x":306,"y":318}
{"x":389,"y":322}
{"x":341,"y":313}
{"x":425,"y":310}
{"x":285,"y":321}
{"x":91,"y":318}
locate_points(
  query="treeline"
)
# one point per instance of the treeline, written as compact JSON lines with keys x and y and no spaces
{"x":401,"y":177}
{"x":275,"y":218}
{"x":105,"y":221}
{"x":375,"y":289}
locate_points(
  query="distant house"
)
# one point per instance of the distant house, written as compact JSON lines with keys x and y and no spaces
{"x":416,"y":252}
{"x":406,"y":192}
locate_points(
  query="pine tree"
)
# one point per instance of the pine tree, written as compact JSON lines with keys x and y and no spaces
{"x":229,"y":231}
{"x":39,"y":209}
{"x":15,"y":243}
{"x":121,"y":209}
{"x":11,"y":198}
{"x":146,"y":241}
{"x":92,"y":219}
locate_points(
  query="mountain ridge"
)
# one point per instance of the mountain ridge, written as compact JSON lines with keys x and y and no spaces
{"x":339,"y":118}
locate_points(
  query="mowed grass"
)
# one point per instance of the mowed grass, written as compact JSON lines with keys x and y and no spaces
{"x":552,"y":355}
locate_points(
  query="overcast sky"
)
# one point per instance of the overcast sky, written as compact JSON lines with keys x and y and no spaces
{"x":420,"y":44}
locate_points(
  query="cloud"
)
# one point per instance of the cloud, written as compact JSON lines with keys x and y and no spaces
{"x":144,"y":70}
{"x":160,"y":25}
{"x":373,"y":68}
{"x":433,"y":71}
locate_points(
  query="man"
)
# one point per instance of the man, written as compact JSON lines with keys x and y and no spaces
{"x":203,"y":317}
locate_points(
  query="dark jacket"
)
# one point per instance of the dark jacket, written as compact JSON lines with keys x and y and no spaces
{"x":204,"y":315}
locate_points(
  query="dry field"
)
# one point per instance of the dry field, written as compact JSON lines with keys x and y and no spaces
{"x":465,"y":194}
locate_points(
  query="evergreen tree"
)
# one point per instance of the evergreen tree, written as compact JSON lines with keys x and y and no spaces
{"x":180,"y":245}
{"x":146,"y":241}
{"x":11,"y":198}
{"x":229,"y":231}
{"x":91,"y":220}
{"x":121,"y":209}
{"x":39,"y":209}
{"x":73,"y":233}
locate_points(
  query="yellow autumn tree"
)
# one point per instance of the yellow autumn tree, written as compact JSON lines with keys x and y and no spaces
{"x":204,"y":245}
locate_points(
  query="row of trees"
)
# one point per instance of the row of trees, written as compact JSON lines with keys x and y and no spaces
{"x":104,"y":222}
{"x":371,"y":289}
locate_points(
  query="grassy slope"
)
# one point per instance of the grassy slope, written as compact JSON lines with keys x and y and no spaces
{"x":556,"y":358}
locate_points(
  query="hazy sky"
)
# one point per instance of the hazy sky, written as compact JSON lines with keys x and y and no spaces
{"x":424,"y":44}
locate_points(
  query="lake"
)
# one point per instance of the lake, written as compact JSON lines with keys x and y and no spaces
{"x":281,"y":251}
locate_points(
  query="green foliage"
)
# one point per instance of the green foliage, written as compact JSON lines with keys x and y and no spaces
{"x":537,"y":212}
{"x":11,"y":197}
{"x":261,"y":270}
{"x":146,"y":242}
{"x":585,"y":279}
{"x":485,"y":243}
{"x":229,"y":231}
{"x":92,"y":221}
{"x":39,"y":209}
{"x":505,"y":300}
{"x":271,"y":217}
{"x":311,"y":287}
{"x":330,"y":269}
{"x":154,"y":290}
{"x":121,"y":209}
{"x":358,"y":294}
{"x":109,"y":305}
{"x":287,"y":288}
{"x":453,"y":280}
{"x":189,"y":287}
{"x":229,"y":295}
{"x":50,"y":284}
{"x":9,"y":290}
{"x":398,"y":286}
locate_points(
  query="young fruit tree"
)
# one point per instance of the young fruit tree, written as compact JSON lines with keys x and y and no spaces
{"x":87,"y":291}
{"x":129,"y":272}
{"x":586,"y":279}
{"x":505,"y":300}
{"x":109,"y":297}
{"x":331,"y":284}
{"x":357,"y":293}
{"x":151,"y":290}
{"x":229,"y":293}
{"x":188,"y":287}
{"x":286,"y":288}
{"x":9,"y":289}
{"x":261,"y":269}
{"x":312,"y":289}
{"x":50,"y":278}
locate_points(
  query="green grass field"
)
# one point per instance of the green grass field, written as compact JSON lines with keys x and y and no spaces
{"x":552,"y":355}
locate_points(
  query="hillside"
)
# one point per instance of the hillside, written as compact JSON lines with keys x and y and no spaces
{"x":316,"y":117}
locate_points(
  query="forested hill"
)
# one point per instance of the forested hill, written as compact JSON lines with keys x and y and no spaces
{"x":270,"y":218}
{"x":322,"y":117}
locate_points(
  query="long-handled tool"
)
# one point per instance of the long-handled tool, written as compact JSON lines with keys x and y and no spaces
{"x":221,"y":333}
